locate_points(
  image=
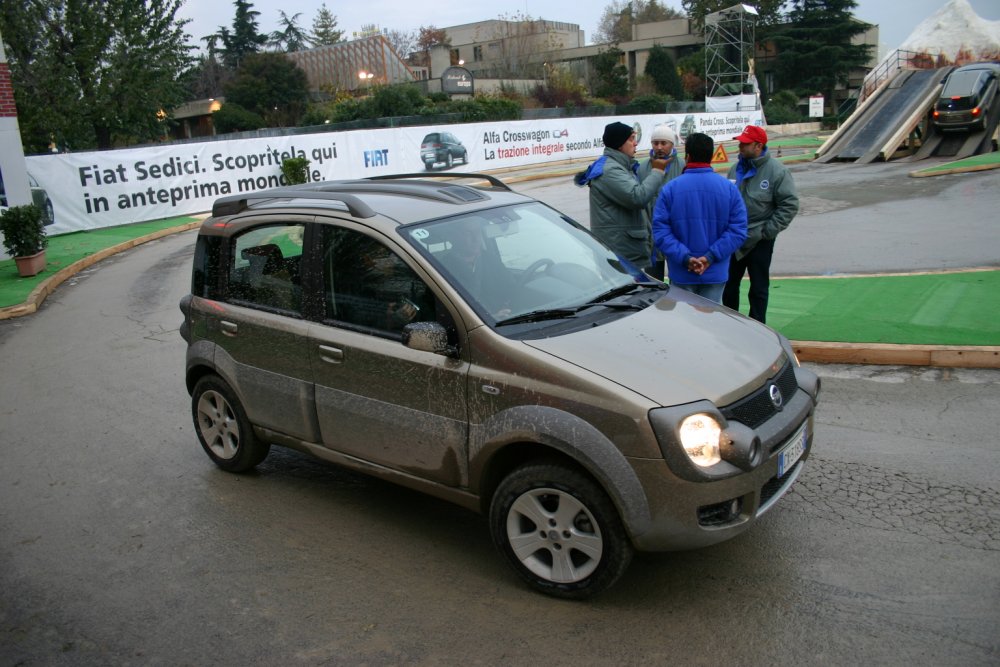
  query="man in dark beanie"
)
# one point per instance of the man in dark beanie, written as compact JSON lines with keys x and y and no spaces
{"x":619,"y":199}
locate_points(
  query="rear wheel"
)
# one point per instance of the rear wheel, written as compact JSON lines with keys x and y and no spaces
{"x":449,"y":161}
{"x":222,"y":426}
{"x":559,"y":530}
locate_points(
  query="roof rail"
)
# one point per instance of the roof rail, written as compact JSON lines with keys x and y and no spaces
{"x":492,"y":180}
{"x":345,"y":190}
{"x":237,"y":203}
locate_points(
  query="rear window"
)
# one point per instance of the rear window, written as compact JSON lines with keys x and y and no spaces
{"x":432,"y":139}
{"x":965,"y":84}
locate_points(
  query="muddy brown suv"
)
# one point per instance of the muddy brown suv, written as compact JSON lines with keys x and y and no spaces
{"x":472,"y":343}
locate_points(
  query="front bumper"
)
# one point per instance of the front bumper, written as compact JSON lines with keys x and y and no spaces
{"x":689,"y":514}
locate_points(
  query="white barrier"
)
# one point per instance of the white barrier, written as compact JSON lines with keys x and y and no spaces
{"x":110,"y":188}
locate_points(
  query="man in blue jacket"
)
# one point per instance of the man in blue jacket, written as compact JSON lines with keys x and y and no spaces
{"x":699,"y":221}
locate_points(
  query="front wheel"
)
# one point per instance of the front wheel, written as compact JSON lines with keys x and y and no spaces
{"x":559,"y":530}
{"x":223,"y":428}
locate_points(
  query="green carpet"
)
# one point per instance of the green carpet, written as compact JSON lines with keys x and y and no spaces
{"x":66,"y":249}
{"x":938,"y":309}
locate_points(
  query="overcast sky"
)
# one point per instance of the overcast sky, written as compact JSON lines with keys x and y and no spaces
{"x":896,"y":18}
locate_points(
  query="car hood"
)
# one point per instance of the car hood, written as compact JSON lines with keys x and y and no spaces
{"x":678,"y":350}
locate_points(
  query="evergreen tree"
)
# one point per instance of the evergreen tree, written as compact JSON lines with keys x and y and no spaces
{"x":768,"y":11}
{"x":611,"y":76}
{"x":208,"y":76}
{"x":244,"y":38}
{"x":291,"y":37}
{"x":324,"y":30}
{"x":815,"y":52}
{"x":271,"y":86}
{"x":661,"y":69}
{"x":94,"y":74}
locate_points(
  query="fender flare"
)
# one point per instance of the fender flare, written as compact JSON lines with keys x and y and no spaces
{"x":573,"y":436}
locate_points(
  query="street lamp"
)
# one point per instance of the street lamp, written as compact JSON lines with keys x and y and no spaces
{"x":365,"y":77}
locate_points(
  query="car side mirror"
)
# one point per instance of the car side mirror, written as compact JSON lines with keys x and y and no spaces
{"x":428,"y":337}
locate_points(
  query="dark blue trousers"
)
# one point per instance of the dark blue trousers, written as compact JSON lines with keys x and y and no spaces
{"x":757,"y":264}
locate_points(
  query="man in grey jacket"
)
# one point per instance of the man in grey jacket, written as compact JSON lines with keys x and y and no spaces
{"x":619,"y":199}
{"x":772,"y":201}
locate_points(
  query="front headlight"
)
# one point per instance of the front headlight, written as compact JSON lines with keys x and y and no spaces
{"x":700,"y":435}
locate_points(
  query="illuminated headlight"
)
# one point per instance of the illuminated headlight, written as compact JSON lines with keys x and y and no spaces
{"x":700,"y":435}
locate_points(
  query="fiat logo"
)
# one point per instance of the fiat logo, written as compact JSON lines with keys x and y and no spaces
{"x":776,"y":396}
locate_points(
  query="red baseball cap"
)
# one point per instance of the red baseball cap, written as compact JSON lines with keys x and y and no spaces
{"x":752,"y":134}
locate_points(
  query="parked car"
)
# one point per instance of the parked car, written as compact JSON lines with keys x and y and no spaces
{"x":688,"y":127}
{"x":442,"y":148}
{"x":966,"y":98}
{"x":39,"y":197}
{"x":474,"y":344}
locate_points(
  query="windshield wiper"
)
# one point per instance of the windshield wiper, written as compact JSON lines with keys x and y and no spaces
{"x":602,"y":300}
{"x":616,"y":291}
{"x":539,"y":315}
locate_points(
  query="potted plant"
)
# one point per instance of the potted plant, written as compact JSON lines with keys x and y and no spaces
{"x":24,"y":238}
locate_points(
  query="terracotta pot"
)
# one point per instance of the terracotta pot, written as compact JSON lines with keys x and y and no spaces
{"x":30,"y":265}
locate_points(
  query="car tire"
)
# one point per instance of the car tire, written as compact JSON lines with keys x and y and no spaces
{"x":222,"y":426}
{"x":48,"y":213}
{"x":429,"y":166}
{"x":465,"y":157}
{"x":449,"y":161}
{"x":559,"y":530}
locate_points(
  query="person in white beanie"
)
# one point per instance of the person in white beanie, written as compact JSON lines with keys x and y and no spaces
{"x":664,"y":141}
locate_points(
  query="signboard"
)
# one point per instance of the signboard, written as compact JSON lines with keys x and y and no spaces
{"x":107,"y":188}
{"x":815,"y":106}
{"x":457,"y":81}
{"x":720,"y":155}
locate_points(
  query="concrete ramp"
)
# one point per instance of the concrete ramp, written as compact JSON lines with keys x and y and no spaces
{"x":884,"y":121}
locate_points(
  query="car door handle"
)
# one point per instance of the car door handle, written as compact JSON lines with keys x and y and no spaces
{"x":228,"y":328}
{"x":331,"y":355}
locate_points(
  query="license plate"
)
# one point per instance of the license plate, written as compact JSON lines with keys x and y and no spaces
{"x":792,"y":453}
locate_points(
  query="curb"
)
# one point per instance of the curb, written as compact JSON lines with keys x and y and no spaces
{"x":47,"y":286}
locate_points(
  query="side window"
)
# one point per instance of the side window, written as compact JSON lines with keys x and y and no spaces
{"x":264,"y":267}
{"x":368,"y":285}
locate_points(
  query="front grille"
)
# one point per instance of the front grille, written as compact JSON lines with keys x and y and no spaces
{"x":757,"y":408}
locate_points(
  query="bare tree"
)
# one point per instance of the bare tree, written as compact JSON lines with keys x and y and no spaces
{"x":427,"y":37}
{"x":403,"y":42}
{"x":514,"y":46}
{"x":618,"y":18}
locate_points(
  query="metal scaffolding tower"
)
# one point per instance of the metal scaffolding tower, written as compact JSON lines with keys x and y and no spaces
{"x":729,"y":44}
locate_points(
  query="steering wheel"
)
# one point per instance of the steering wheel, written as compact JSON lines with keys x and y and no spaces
{"x":538,"y":266}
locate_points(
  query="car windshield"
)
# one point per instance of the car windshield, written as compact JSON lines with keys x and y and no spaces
{"x":520,"y":259}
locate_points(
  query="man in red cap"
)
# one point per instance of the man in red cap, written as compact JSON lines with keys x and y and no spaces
{"x":772,"y":201}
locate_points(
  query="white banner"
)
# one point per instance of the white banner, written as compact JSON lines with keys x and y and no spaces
{"x":110,"y":188}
